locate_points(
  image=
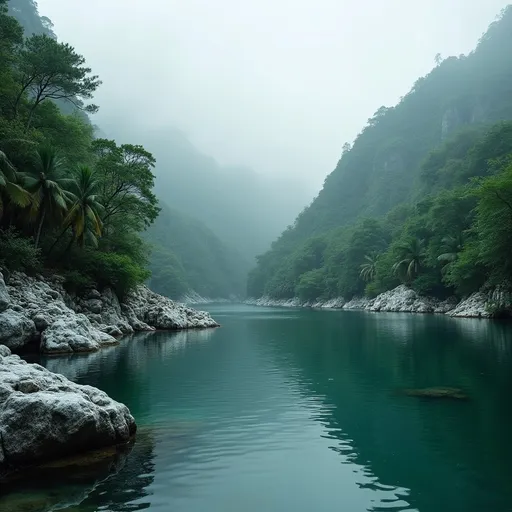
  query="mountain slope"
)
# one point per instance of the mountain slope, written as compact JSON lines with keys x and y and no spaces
{"x":384,"y":168}
{"x":187,"y":256}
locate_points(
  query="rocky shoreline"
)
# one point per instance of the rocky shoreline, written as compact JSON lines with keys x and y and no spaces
{"x":43,"y":415}
{"x":400,"y":300}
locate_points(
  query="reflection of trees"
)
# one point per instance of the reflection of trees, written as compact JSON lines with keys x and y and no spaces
{"x":127,"y":489}
{"x":359,"y":362}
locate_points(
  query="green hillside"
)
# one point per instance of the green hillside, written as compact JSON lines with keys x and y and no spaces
{"x":188,"y":256}
{"x":408,"y":161}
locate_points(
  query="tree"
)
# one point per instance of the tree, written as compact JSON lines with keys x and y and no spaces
{"x":49,"y":70}
{"x":369,"y":269}
{"x":494,"y":223}
{"x":10,"y":190}
{"x":452,"y":246}
{"x":127,"y":181}
{"x":84,"y":215}
{"x":410,"y":256}
{"x":48,"y":187}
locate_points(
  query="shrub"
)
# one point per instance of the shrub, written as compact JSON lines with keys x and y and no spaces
{"x":18,"y":252}
{"x":77,"y":282}
{"x":105,"y":269}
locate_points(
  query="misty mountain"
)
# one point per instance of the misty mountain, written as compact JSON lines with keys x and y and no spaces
{"x":245,"y":209}
{"x":187,"y":256}
{"x":432,"y":140}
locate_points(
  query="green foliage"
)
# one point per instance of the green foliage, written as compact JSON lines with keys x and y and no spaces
{"x":117,"y":271}
{"x":18,"y":252}
{"x":48,"y":70}
{"x":78,"y":206}
{"x":311,"y":285}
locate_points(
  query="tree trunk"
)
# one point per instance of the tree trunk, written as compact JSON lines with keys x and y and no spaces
{"x":40,"y":227}
{"x":30,"y":117}
{"x":57,"y":240}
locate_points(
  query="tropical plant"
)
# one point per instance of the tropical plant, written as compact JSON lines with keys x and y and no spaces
{"x":10,"y":189}
{"x":410,"y":257}
{"x":452,"y":245}
{"x":84,"y":214}
{"x":369,"y":269}
{"x":47,"y":185}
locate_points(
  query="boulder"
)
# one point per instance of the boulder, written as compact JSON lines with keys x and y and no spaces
{"x":73,"y":333}
{"x":5,"y":299}
{"x":405,"y":300}
{"x":16,"y":330}
{"x":158,"y":312}
{"x":44,"y":416}
{"x":472,"y":307}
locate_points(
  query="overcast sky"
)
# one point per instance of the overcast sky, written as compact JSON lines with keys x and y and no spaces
{"x":278,"y":85}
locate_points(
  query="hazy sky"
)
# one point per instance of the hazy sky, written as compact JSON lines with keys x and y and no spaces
{"x":279,"y":85}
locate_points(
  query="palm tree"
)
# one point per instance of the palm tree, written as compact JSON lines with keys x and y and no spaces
{"x":410,"y":259}
{"x":10,"y":190}
{"x":84,"y":214}
{"x":452,"y":245}
{"x":369,"y":269}
{"x":48,"y":187}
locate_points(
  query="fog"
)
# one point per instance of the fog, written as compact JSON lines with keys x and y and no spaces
{"x":272,"y":84}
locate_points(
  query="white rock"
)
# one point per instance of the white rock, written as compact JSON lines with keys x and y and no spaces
{"x":405,"y":300}
{"x":16,"y":330}
{"x":73,"y":333}
{"x":472,"y":307}
{"x":5,"y":300}
{"x":143,"y":305}
{"x":358,"y":303}
{"x":337,"y":303}
{"x":44,"y":416}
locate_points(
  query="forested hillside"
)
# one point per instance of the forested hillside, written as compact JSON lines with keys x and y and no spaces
{"x":187,"y":256}
{"x":112,"y":184}
{"x":419,"y":196}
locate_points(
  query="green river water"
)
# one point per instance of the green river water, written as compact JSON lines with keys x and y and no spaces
{"x":298,"y":411}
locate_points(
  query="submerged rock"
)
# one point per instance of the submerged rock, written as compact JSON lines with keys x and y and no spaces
{"x":437,"y":393}
{"x":44,"y":416}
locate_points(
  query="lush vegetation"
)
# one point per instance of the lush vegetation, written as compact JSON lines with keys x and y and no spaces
{"x":423,"y":197}
{"x":68,"y":201}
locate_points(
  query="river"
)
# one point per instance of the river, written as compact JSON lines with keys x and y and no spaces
{"x":300,"y":410}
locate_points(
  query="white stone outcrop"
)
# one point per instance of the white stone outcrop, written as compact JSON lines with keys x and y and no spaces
{"x":39,"y":309}
{"x":404,"y":300}
{"x":358,"y":303}
{"x":147,"y":307}
{"x":44,"y":416}
{"x":5,"y":300}
{"x":16,"y":330}
{"x":74,"y":333}
{"x":475,"y":306}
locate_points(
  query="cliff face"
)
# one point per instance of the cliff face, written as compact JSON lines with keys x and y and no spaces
{"x":35,"y":310}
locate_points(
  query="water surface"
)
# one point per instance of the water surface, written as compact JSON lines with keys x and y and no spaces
{"x":299,"y":410}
